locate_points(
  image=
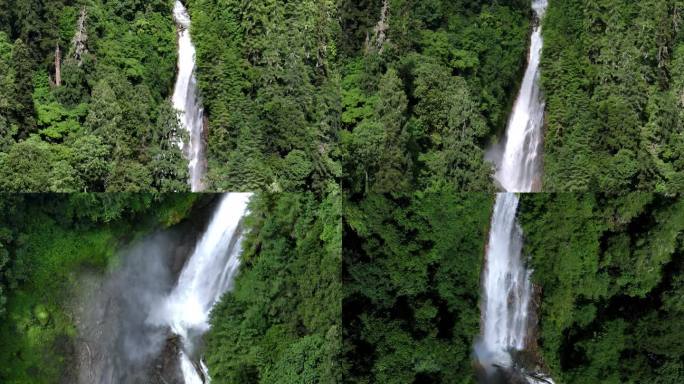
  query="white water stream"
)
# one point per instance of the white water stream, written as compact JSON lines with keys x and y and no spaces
{"x":186,"y":100}
{"x":506,"y":286}
{"x":519,"y":169}
{"x":507,"y":292}
{"x":207,"y":275}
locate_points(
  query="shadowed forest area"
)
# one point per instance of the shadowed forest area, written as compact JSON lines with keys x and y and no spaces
{"x":610,"y":269}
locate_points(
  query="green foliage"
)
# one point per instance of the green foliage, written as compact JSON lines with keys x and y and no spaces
{"x":611,"y":73}
{"x":269,"y":87}
{"x":411,"y":270}
{"x":281,"y":323}
{"x":610,"y":268}
{"x":455,"y":68}
{"x":109,"y":124}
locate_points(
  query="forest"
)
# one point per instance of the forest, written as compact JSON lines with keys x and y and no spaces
{"x":611,"y":272}
{"x":281,"y":323}
{"x":613,"y":76}
{"x":609,"y":268}
{"x":425,"y":87}
{"x":269,"y":82}
{"x":105,"y":124}
{"x":411,"y":272}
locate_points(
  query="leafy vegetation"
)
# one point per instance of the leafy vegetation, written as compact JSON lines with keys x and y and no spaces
{"x":611,"y":271}
{"x":424,"y":87}
{"x":281,"y":322}
{"x":386,"y":95}
{"x":267,"y":76}
{"x":612,"y":72}
{"x":411,"y":271}
{"x":106,"y":123}
{"x":45,"y":242}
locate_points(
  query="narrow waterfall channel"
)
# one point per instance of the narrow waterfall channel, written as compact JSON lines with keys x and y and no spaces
{"x":186,"y":101}
{"x":207,"y":275}
{"x":507,"y":292}
{"x":519,"y":167}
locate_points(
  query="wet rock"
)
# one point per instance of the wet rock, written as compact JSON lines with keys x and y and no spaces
{"x":165,"y":369}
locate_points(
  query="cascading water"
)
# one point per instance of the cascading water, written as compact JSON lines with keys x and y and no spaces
{"x":519,"y":169}
{"x":506,"y":286}
{"x":207,"y":275}
{"x":186,"y":100}
{"x":506,"y":295}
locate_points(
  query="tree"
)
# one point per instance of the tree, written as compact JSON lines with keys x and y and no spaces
{"x":90,"y":160}
{"x":26,"y":167}
{"x":393,"y":160}
{"x":105,"y":118}
{"x":453,"y":127}
{"x":608,"y":266}
{"x":128,"y":175}
{"x":22,"y":67}
{"x":169,"y":167}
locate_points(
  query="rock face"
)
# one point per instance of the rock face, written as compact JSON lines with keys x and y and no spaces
{"x":165,"y":369}
{"x":116,"y":343}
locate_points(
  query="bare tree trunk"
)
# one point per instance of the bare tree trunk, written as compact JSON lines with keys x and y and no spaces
{"x":380,"y":30}
{"x":58,"y":66}
{"x":80,"y":37}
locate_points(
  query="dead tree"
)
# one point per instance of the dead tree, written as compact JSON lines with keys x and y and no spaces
{"x":81,"y":37}
{"x":380,"y":30}
{"x":58,"y":66}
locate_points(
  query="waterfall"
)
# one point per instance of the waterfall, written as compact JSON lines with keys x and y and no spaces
{"x":506,"y":283}
{"x":519,"y":169}
{"x":507,"y":290}
{"x":207,"y":275}
{"x":186,"y":100}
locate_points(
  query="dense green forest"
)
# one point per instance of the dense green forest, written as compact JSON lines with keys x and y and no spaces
{"x":46,"y":240}
{"x":387,"y":95}
{"x":107,"y":123}
{"x":266,"y":77}
{"x":613,"y":76}
{"x":411,"y":272}
{"x":424,"y":87}
{"x":611,"y":268}
{"x":269,"y":83}
{"x":281,"y":323}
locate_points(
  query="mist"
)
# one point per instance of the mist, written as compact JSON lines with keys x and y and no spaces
{"x":116,"y":344}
